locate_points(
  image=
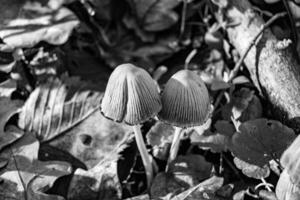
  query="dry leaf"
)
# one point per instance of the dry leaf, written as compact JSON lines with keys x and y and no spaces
{"x":58,"y":105}
{"x":252,"y":171}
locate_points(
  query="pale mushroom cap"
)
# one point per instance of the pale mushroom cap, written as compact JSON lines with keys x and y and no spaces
{"x":185,"y":100}
{"x":131,"y":96}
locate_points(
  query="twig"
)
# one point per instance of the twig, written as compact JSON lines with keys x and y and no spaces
{"x":189,"y":58}
{"x":252,"y":43}
{"x":183,"y":18}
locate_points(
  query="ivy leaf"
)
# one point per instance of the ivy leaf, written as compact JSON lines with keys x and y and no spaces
{"x":259,"y":141}
{"x":35,"y":23}
{"x":25,"y":177}
{"x":8,"y":108}
{"x":58,"y":105}
{"x":154,"y":15}
{"x":252,"y":171}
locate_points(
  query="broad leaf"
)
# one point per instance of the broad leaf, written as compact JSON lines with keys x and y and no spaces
{"x":8,"y":135}
{"x":58,"y":105}
{"x":154,"y":15}
{"x":259,"y":141}
{"x":36,"y":23}
{"x":25,"y":177}
{"x":252,"y":171}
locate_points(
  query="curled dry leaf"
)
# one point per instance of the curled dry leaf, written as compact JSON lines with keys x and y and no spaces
{"x":259,"y":141}
{"x":8,"y":108}
{"x":252,"y":171}
{"x":160,"y":137}
{"x":285,"y":189}
{"x":36,"y":23}
{"x":245,"y":105}
{"x":25,"y":177}
{"x":58,"y":105}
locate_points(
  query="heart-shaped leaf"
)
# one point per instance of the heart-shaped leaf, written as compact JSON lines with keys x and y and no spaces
{"x":58,"y":105}
{"x":259,"y":141}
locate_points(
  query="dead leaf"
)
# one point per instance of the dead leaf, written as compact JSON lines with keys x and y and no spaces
{"x":93,"y":139}
{"x":35,"y":23}
{"x":8,"y":108}
{"x":259,"y":141}
{"x":58,"y":105}
{"x":25,"y":177}
{"x":100,"y":182}
{"x":252,"y":171}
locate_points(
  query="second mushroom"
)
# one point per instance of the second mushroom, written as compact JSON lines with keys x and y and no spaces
{"x":185,"y":103}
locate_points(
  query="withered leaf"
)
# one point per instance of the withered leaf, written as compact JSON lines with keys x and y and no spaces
{"x":25,"y":177}
{"x":58,"y":105}
{"x":261,"y":140}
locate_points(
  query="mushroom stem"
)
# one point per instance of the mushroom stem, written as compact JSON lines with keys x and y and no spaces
{"x":144,"y":154}
{"x":175,"y":146}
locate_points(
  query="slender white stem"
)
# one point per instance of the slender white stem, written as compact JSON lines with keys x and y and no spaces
{"x":144,"y":154}
{"x":175,"y":146}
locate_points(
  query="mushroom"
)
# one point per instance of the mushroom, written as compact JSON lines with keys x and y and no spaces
{"x":185,"y":103}
{"x":131,"y":96}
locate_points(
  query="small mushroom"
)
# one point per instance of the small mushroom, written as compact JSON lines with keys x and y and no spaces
{"x":131,"y":96}
{"x":185,"y":103}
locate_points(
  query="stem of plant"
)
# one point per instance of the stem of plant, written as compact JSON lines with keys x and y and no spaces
{"x":144,"y":154}
{"x":175,"y":146}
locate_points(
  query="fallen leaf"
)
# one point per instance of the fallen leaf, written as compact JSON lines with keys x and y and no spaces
{"x":25,"y":177}
{"x":8,"y":108}
{"x":35,"y":23}
{"x":261,"y":140}
{"x":100,"y":182}
{"x":225,"y":128}
{"x":252,"y":171}
{"x":58,"y":105}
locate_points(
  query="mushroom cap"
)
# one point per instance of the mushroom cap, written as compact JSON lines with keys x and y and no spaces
{"x":131,"y":96}
{"x":185,"y":100}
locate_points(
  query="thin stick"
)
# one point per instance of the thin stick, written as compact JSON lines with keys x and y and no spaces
{"x":252,"y":43}
{"x":183,"y":17}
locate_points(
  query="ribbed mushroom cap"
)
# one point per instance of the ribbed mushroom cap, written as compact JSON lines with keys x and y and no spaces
{"x":131,"y":96}
{"x":185,"y":100}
